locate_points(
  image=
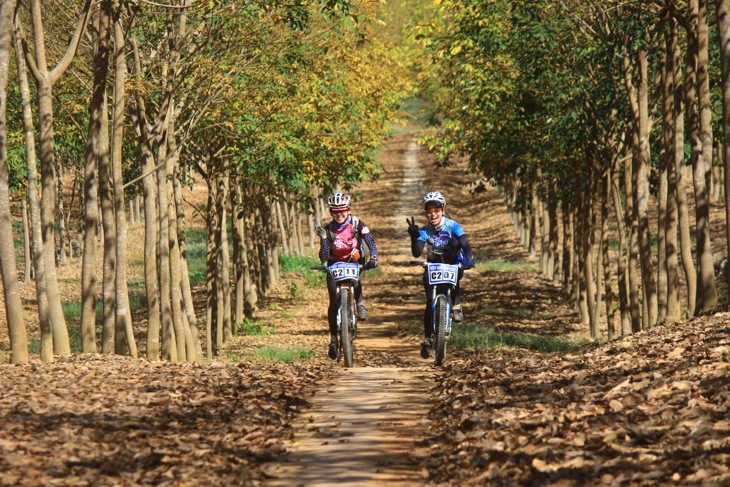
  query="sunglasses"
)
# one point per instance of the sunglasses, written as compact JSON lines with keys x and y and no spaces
{"x":433,"y":210}
{"x":338,"y":212}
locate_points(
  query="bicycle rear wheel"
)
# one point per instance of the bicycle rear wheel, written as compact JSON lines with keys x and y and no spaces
{"x":440,"y":326}
{"x":345,"y":324}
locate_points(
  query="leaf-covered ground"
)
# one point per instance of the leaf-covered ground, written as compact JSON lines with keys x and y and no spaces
{"x":651,"y":409}
{"x":110,"y":420}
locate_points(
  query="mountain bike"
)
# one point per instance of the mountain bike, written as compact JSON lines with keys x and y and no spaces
{"x":443,"y":279}
{"x":346,"y":275}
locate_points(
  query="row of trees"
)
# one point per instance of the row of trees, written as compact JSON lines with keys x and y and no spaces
{"x":271,"y":103}
{"x":584,"y":112}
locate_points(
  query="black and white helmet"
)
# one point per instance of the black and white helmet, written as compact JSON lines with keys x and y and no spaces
{"x":434,"y":197}
{"x":339,"y":201}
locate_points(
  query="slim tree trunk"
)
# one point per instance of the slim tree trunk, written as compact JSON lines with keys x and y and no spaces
{"x":27,"y":264}
{"x":685,"y":240}
{"x":33,"y":202}
{"x":567,"y":251}
{"x":225,"y":263}
{"x":187,"y":295}
{"x":13,"y":303}
{"x":124,"y":326}
{"x":623,"y":258}
{"x":707,"y":290}
{"x":95,"y":148}
{"x":641,"y":182}
{"x":149,"y":185}
{"x":722,"y":8}
{"x":109,"y":239}
{"x":45,"y":81}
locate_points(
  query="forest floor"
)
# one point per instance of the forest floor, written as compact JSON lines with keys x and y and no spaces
{"x":650,"y":409}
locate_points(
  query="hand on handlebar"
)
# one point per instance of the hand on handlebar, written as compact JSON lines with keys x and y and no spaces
{"x":371,"y":264}
{"x":468,"y":264}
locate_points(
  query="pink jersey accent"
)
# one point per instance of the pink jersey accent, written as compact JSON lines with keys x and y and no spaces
{"x":344,"y":243}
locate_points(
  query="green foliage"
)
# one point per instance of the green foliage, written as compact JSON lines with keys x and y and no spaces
{"x":286,"y":355}
{"x":472,"y":337}
{"x":195,"y":251}
{"x":506,"y":266}
{"x":257,"y":328}
{"x":301,"y":264}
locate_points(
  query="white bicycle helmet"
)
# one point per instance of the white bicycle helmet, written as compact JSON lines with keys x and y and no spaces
{"x":435,"y":197}
{"x":339,"y":201}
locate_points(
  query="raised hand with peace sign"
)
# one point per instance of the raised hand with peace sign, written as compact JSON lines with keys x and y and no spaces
{"x":412,"y":228}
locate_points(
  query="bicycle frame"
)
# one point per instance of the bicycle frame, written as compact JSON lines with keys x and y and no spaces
{"x":443,"y":279}
{"x":346,"y":275}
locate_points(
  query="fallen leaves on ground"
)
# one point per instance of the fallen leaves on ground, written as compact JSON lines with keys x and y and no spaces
{"x":650,"y":409}
{"x":111,"y":420}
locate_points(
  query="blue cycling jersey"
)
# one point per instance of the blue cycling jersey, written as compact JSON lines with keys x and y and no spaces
{"x":437,"y":242}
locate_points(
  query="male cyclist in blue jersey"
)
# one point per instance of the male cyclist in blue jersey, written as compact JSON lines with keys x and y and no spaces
{"x":341,"y":241}
{"x":445,"y":241}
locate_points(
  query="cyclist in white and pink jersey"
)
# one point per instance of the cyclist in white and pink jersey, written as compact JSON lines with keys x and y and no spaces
{"x":341,"y":241}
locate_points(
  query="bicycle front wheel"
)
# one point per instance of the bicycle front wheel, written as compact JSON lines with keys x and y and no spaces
{"x":440,"y":326}
{"x":345,"y":324}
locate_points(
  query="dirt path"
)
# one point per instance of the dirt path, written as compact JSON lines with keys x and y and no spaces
{"x":364,"y":428}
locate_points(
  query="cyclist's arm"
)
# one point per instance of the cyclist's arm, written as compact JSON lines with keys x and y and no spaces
{"x":417,"y":246}
{"x":464,"y":242}
{"x":325,"y":251}
{"x":370,"y":242}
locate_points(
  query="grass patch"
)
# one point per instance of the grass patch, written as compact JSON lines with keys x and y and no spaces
{"x":301,"y":264}
{"x":506,"y":266}
{"x":258,"y":328}
{"x":195,"y":252}
{"x":512,"y":313}
{"x":234,"y":357}
{"x":286,"y":355}
{"x":472,"y":337}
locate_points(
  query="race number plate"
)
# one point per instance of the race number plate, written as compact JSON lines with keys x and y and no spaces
{"x":442,"y":274}
{"x":341,"y":271}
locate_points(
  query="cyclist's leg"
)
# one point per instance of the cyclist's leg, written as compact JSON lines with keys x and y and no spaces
{"x":456,"y":294}
{"x":332,"y":316}
{"x":333,"y":305}
{"x":358,"y":293}
{"x":427,"y":316}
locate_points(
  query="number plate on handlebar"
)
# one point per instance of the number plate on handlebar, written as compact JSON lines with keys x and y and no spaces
{"x":442,"y":273}
{"x":342,"y":271}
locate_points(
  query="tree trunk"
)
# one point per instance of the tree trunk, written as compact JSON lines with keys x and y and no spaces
{"x":723,"y":26}
{"x":33,"y":201}
{"x":169,"y":340}
{"x":624,"y":284}
{"x":282,"y":230}
{"x":95,"y":146}
{"x":672,"y":214}
{"x":641,"y":183}
{"x":149,"y":185}
{"x":685,"y":240}
{"x":45,"y":81}
{"x":13,"y":303}
{"x":632,"y":252}
{"x":567,"y":251}
{"x":191,"y":318}
{"x":27,"y":264}
{"x":553,"y":239}
{"x":706,"y":289}
{"x":225,"y":274}
{"x":124,"y":327}
{"x":109,"y":239}
{"x":238,"y":251}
